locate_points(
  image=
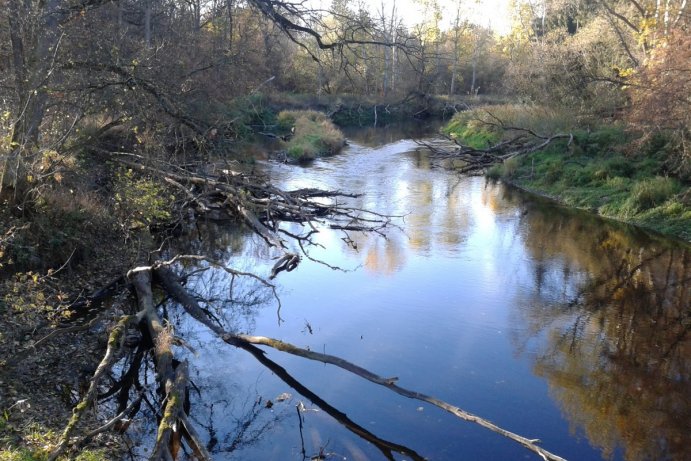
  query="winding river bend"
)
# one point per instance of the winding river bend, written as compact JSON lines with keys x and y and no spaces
{"x":549,"y":322}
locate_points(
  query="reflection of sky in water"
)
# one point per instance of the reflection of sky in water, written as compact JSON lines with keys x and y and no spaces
{"x":451,"y":304}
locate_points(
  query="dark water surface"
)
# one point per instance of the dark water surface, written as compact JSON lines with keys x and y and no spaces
{"x":550,"y":323}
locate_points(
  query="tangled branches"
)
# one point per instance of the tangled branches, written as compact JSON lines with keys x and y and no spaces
{"x":264,"y":208}
{"x":517,"y":141}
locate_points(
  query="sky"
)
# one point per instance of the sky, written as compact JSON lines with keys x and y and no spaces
{"x":490,"y":13}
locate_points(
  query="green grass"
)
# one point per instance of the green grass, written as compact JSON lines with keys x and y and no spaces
{"x":487,"y":125}
{"x":471,"y":132}
{"x":594,"y":173}
{"x":312,"y":134}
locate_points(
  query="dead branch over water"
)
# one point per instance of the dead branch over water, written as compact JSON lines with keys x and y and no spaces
{"x":262,"y":207}
{"x":522,"y":141}
{"x":174,"y":427}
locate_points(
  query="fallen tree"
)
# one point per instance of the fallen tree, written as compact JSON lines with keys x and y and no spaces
{"x":514,"y":141}
{"x":265,"y":209}
{"x":174,"y":427}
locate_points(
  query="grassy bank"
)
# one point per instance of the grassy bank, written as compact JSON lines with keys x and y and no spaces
{"x":308,"y":134}
{"x":608,"y":170}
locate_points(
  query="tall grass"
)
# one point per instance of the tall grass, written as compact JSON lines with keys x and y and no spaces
{"x":651,"y":193}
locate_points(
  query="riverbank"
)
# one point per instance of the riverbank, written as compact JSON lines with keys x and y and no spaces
{"x":608,"y":169}
{"x":635,"y":188}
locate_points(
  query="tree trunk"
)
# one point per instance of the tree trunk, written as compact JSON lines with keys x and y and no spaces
{"x":33,"y":70}
{"x":229,"y":7}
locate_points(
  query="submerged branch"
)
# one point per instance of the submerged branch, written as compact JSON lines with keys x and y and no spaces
{"x":168,"y":280}
{"x":263,"y":207}
{"x":384,"y":446}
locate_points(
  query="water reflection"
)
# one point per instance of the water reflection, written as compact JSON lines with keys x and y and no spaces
{"x":614,"y":309}
{"x":431,"y":209}
{"x":377,"y":136}
{"x":484,"y":298}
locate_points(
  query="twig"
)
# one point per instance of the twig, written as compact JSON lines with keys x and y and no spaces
{"x":114,"y":343}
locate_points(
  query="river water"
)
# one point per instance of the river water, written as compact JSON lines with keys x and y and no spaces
{"x":549,"y":322}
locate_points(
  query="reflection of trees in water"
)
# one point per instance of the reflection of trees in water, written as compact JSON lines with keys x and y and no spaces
{"x":376,"y":136}
{"x":384,"y":256}
{"x":231,"y":427}
{"x":435,"y":212}
{"x":618,"y":353}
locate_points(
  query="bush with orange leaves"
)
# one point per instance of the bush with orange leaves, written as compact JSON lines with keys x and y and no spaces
{"x":661,"y":99}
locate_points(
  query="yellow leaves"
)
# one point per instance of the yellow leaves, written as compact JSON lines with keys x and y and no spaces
{"x":628,"y":72}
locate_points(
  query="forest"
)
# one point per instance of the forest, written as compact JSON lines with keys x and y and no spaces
{"x":123,"y":123}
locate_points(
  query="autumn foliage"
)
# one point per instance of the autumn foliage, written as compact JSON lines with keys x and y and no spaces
{"x":661,"y":96}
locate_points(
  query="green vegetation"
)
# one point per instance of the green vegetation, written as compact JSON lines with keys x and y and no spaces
{"x":37,"y":443}
{"x":311,"y":134}
{"x":187,"y":88}
{"x":609,"y":170}
{"x":140,"y":201}
{"x":596,"y":174}
{"x":486,"y":125}
{"x":41,"y":455}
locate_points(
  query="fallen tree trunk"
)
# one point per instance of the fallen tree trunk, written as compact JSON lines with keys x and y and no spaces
{"x":263,"y":207}
{"x":174,"y":427}
{"x":476,"y":160}
{"x":172,"y":380}
{"x":169,"y":282}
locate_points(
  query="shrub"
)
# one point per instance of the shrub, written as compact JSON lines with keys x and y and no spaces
{"x":140,"y":200}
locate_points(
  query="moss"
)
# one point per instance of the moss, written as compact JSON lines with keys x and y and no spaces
{"x":119,"y":330}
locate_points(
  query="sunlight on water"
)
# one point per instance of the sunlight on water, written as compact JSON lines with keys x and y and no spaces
{"x":548,"y":322}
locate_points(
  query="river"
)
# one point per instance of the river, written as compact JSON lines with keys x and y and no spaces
{"x":549,"y":322}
